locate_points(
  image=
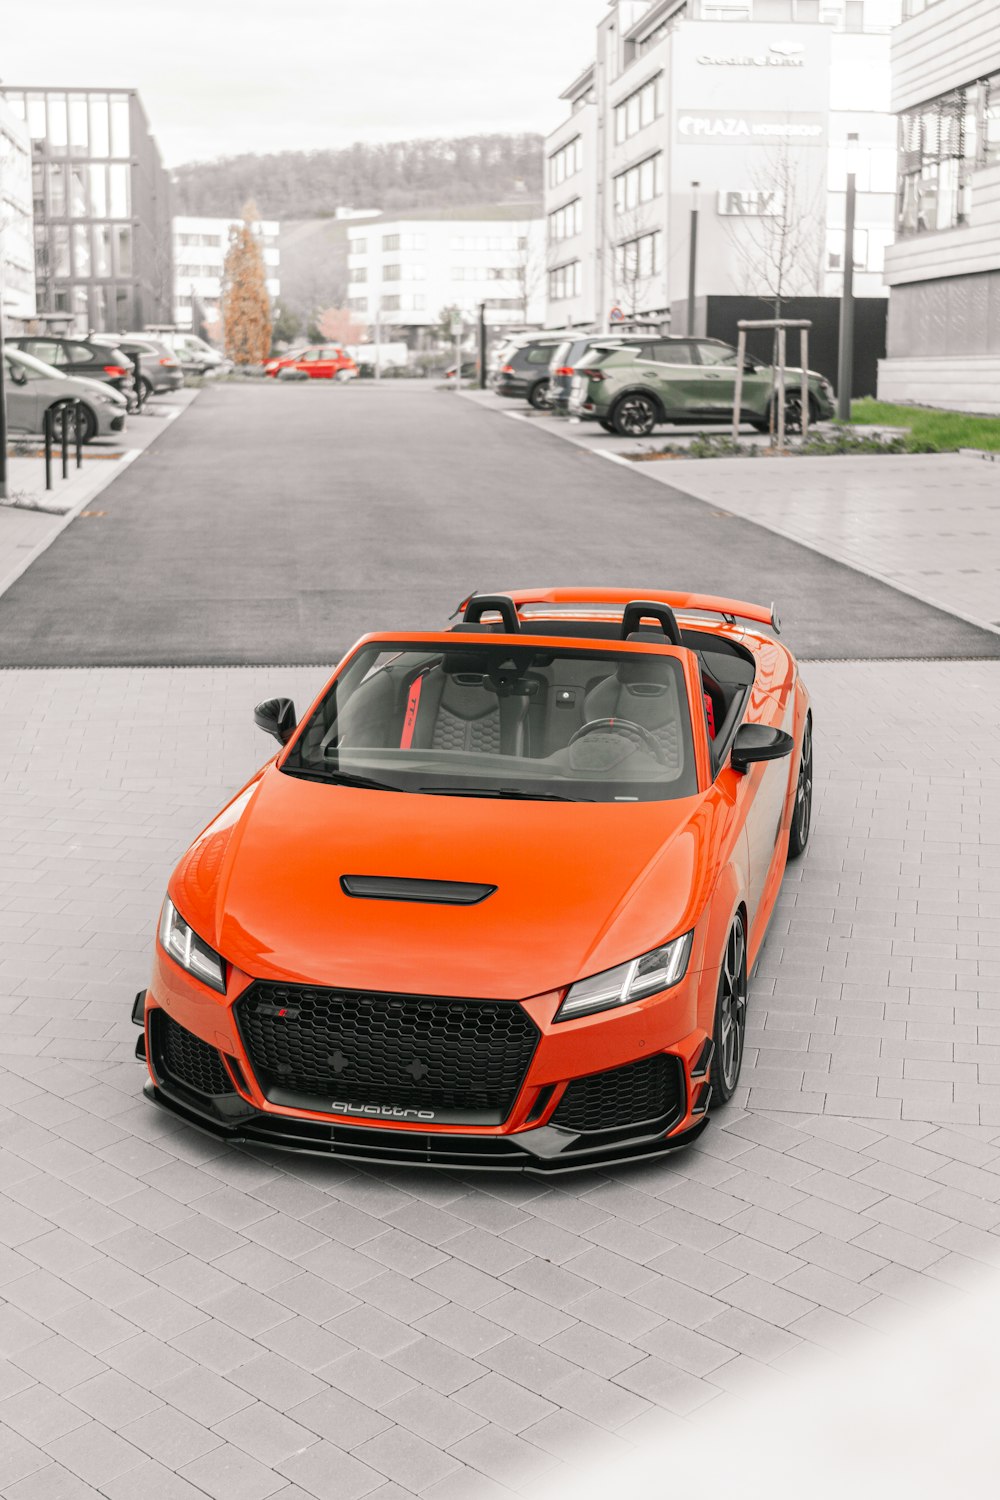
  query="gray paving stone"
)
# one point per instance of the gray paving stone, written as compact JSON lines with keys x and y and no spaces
{"x":328,"y":1473}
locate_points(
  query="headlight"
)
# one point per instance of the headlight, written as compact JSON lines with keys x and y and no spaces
{"x":187,"y":949}
{"x":644,"y":976}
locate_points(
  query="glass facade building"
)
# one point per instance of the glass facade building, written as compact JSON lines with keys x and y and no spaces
{"x":101,"y":201}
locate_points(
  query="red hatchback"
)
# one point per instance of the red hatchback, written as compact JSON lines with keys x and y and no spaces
{"x":319,"y":362}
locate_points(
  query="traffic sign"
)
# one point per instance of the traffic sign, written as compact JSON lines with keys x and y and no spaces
{"x":616,"y":315}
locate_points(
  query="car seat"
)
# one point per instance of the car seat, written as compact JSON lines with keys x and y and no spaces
{"x":644,"y":690}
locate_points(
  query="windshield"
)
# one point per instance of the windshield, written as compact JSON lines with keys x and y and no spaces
{"x":35,"y":369}
{"x":504,"y":721}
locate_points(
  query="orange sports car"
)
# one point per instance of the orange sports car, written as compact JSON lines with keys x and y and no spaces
{"x":495,"y":901}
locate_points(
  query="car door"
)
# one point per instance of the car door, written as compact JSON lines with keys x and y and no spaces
{"x":717,"y":380}
{"x":668,"y":365}
{"x":23,"y":404}
{"x":308,"y":361}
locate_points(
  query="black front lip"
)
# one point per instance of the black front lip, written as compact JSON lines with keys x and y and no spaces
{"x":543,"y":1151}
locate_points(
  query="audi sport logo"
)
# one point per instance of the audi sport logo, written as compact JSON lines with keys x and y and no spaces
{"x":380,"y":1111}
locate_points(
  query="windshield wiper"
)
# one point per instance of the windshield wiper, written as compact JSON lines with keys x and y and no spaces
{"x":503,"y":791}
{"x":343,"y":778}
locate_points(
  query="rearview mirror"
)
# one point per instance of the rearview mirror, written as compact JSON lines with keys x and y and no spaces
{"x":276,"y":716}
{"x":756,"y":742}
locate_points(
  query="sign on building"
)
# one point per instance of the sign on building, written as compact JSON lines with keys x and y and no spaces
{"x":750,"y":203}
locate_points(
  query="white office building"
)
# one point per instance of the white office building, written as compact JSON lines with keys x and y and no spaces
{"x":752,"y":112}
{"x":404,"y":272}
{"x":17,"y":251}
{"x":200,"y":247}
{"x":944,"y":269}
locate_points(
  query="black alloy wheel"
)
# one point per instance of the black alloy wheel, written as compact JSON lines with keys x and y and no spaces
{"x":793,"y":412}
{"x":634,"y":415}
{"x":538,"y":396}
{"x":798,"y":836}
{"x":145,"y":387}
{"x":730,"y":1015}
{"x":88,"y":422}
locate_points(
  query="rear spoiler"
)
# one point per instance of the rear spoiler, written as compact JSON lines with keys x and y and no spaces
{"x":730,"y":609}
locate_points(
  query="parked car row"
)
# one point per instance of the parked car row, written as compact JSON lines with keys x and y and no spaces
{"x":631,"y":383}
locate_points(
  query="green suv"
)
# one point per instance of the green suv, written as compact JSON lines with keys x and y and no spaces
{"x":685,"y":380}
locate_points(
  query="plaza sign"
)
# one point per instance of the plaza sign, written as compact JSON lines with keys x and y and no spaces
{"x":717,"y":128}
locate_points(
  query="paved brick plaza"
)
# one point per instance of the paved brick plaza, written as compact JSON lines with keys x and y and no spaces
{"x":185,"y":1319}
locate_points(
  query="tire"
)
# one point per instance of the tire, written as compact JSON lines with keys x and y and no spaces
{"x":88,"y":423}
{"x":793,"y":413}
{"x":634,"y":415}
{"x":798,"y":836}
{"x":537,"y":396}
{"x":608,"y":426}
{"x":145,"y":389}
{"x":729,"y":1033}
{"x":342,"y":376}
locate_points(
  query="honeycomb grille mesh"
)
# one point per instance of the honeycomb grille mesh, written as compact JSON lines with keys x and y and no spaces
{"x":188,"y":1060}
{"x":650,"y":1089}
{"x":414,"y":1051}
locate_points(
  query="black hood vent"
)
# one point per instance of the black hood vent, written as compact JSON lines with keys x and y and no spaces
{"x":391,"y":888}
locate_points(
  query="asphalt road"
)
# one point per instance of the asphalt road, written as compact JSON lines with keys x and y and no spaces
{"x":276,"y":523}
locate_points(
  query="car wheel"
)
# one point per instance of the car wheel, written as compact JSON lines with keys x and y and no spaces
{"x":608,"y":426}
{"x":538,"y":395}
{"x":88,"y":422}
{"x":730,"y":1015}
{"x":342,"y":376}
{"x":145,"y":389}
{"x":798,"y":836}
{"x":793,"y":413}
{"x":634,"y":415}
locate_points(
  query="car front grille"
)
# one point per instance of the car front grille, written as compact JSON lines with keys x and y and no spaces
{"x":406,"y":1058}
{"x":648,"y":1091}
{"x":186,"y":1059}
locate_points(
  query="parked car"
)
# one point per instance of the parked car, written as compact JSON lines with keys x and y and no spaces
{"x":629,"y":390}
{"x":318,"y":361}
{"x":86,"y":357}
{"x":33,"y":388}
{"x":569,"y":354}
{"x":195,"y":355}
{"x":525,"y":370}
{"x":159,"y":368}
{"x":349,"y":959}
{"x":470,"y":369}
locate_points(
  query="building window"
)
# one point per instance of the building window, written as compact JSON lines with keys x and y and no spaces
{"x":640,"y":109}
{"x":399,"y":242}
{"x":487,"y":242}
{"x":941,"y":143}
{"x":358,"y":304}
{"x":566,"y":162}
{"x":566,"y":221}
{"x":119,"y":125}
{"x":639,"y":259}
{"x":99,"y":137}
{"x":358,"y":273}
{"x":564,"y":281}
{"x":357,"y":247}
{"x":118,"y":191}
{"x":639,"y":184}
{"x":391,"y":273}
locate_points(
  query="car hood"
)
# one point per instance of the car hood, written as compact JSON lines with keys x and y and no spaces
{"x":97,"y":388}
{"x":579,"y":887}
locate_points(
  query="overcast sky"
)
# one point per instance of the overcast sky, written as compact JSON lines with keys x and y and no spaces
{"x":222,"y":76}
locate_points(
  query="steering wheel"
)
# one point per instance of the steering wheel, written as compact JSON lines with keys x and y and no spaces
{"x":627,"y":727}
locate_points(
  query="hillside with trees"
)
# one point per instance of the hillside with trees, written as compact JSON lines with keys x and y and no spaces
{"x":396,"y":176}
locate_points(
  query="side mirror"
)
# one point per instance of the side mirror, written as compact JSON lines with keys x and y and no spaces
{"x":276,"y":716}
{"x":750,"y":366}
{"x":17,"y":375}
{"x":755,"y":742}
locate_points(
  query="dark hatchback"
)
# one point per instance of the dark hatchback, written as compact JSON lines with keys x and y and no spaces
{"x":84,"y":357}
{"x":525,"y":370}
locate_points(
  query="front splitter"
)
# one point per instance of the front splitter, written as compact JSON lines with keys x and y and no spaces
{"x":419,"y":1148}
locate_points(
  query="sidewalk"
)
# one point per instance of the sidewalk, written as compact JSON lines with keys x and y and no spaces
{"x":927,"y":524}
{"x":33,"y":517}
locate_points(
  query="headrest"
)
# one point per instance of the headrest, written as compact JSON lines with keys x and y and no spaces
{"x":648,"y":669}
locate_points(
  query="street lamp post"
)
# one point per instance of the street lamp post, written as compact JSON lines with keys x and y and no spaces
{"x":692,"y":257}
{"x":845,"y":352}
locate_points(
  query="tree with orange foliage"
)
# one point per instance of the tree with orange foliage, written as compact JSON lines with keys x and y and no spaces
{"x":340,"y":326}
{"x":246,"y":306}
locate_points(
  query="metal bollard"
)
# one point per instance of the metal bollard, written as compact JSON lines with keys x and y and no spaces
{"x":47,"y":426}
{"x":79,"y":433}
{"x":64,"y":438}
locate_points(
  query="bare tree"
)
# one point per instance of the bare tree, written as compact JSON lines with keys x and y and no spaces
{"x":635,"y":268}
{"x":529,"y":272}
{"x":777,"y":236}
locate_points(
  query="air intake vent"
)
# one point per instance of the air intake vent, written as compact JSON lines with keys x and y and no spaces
{"x":389,"y":888}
